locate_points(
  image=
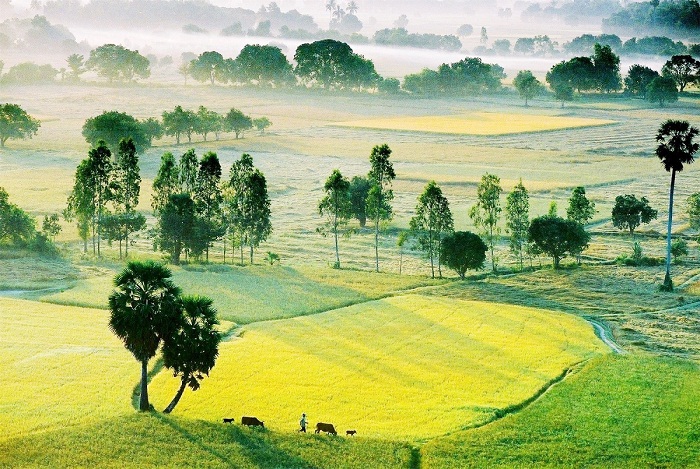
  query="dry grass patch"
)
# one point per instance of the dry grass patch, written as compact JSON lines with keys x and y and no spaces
{"x":407,"y":367}
{"x":478,"y":123}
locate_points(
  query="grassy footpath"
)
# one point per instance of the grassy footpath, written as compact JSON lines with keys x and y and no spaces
{"x":619,"y":411}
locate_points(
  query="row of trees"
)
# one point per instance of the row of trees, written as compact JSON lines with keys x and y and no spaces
{"x":112,"y":126}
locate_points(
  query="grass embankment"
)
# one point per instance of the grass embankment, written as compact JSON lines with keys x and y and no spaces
{"x":155,"y":440}
{"x":408,"y":367}
{"x":60,"y":366}
{"x":619,"y":411}
{"x":258,"y":293}
{"x":478,"y":123}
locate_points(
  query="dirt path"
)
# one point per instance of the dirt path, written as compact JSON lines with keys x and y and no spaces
{"x":604,"y":334}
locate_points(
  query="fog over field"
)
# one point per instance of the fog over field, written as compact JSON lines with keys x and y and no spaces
{"x":443,"y":18}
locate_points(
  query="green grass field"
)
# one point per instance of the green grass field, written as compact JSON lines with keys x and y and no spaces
{"x":623,"y":412}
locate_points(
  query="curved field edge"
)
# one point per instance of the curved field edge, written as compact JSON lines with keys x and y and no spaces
{"x":260,"y":293}
{"x":618,"y":411}
{"x":477,"y":124}
{"x":407,"y":367}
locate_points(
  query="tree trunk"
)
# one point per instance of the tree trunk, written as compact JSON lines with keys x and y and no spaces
{"x":668,"y":283}
{"x":143,"y":401}
{"x":251,"y":253}
{"x":376,"y":242}
{"x":177,"y":397}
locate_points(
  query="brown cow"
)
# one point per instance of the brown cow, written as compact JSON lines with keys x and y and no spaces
{"x":252,"y":422}
{"x":325,"y":427}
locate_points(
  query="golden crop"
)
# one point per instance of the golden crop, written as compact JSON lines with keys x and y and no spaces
{"x":404,"y":367}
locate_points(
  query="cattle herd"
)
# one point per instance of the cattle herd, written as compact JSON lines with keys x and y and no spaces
{"x":320,"y":426}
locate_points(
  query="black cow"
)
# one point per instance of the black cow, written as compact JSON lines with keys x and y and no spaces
{"x":252,"y":422}
{"x":325,"y":427}
{"x":228,"y":420}
{"x":350,"y":432}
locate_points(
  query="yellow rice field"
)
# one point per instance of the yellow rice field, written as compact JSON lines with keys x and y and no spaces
{"x":60,"y":366}
{"x":408,"y":367}
{"x":478,"y":123}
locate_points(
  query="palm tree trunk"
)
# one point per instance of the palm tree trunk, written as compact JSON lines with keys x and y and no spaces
{"x":177,"y":397}
{"x":143,"y":401}
{"x":668,"y":283}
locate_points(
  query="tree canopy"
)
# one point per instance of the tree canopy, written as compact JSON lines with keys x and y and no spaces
{"x":630,"y":212}
{"x":15,"y":123}
{"x":557,"y":237}
{"x":116,"y":63}
{"x":113,"y":126}
{"x":333,"y":64}
{"x":462,"y":251}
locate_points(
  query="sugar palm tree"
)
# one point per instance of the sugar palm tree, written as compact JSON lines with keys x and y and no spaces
{"x":144,"y":310}
{"x":192,"y":351}
{"x":330,"y":6}
{"x":352,"y":8}
{"x":676,"y":148}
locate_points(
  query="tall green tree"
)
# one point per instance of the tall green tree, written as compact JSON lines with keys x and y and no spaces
{"x":127,"y":188}
{"x":486,"y":213}
{"x":557,"y":237}
{"x":188,"y":169}
{"x":93,"y":190}
{"x":463,"y":250}
{"x":359,"y":190}
{"x":332,"y":64}
{"x":380,"y":194}
{"x":518,"y":219}
{"x":580,"y":209}
{"x":629,"y":212}
{"x":117,"y":63}
{"x":192,"y":350}
{"x":80,"y":205}
{"x":144,"y":311}
{"x":431,"y":223}
{"x":676,"y":148}
{"x":15,"y":123}
{"x":527,"y":85}
{"x":336,"y":207}
{"x":76,"y":67}
{"x":209,"y":199}
{"x":175,"y":229}
{"x":166,"y":182}
{"x":241,"y":170}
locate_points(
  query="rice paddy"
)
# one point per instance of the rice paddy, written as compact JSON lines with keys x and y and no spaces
{"x":478,"y":123}
{"x":407,"y":367}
